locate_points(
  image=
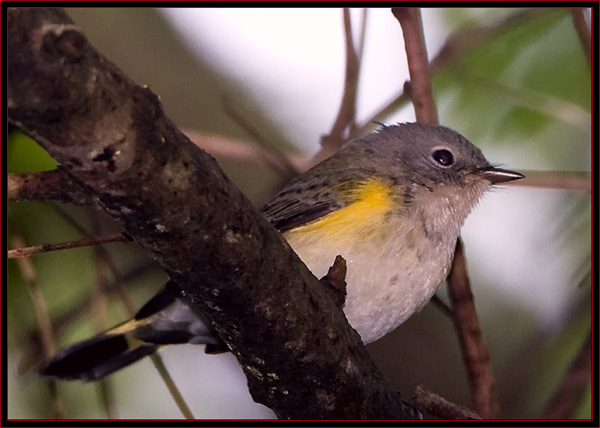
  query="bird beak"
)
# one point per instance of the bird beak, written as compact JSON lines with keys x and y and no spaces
{"x":498,"y":175}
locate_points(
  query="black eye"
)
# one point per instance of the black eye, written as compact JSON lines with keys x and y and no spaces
{"x":443,"y":157}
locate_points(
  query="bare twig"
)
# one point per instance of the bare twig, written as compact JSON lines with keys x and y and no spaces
{"x":346,"y":117}
{"x":420,"y":91}
{"x":39,"y":303}
{"x":57,"y":405}
{"x":119,"y":280}
{"x":564,"y":180}
{"x":347,"y":112}
{"x":46,"y":248}
{"x":568,"y":396}
{"x":360,"y":48}
{"x":583,"y":32}
{"x":443,"y":307}
{"x":241,"y":151}
{"x":42,"y":316}
{"x":475,"y":353}
{"x":173,"y":390}
{"x":107,"y":395}
{"x":440,"y":407}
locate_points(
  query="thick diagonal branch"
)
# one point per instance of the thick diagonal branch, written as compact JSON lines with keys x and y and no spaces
{"x":299,"y":354}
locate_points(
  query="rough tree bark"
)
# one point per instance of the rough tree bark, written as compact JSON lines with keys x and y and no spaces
{"x":113,"y":139}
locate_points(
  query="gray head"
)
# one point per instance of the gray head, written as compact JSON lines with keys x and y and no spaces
{"x":428,"y":155}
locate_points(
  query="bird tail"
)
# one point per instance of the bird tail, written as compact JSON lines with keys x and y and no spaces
{"x":168,"y":318}
{"x":97,"y":357}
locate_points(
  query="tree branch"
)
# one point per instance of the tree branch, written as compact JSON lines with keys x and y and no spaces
{"x":419,"y":87}
{"x":583,"y":32}
{"x":302,"y":359}
{"x":475,"y":354}
{"x":564,"y":180}
{"x":87,"y":242}
{"x":441,"y":407}
{"x":346,"y":117}
{"x":241,"y":151}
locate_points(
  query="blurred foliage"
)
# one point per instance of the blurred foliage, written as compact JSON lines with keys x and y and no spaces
{"x":510,"y":92}
{"x":25,"y":155}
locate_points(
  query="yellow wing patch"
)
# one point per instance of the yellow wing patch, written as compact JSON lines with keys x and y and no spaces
{"x":370,"y":202}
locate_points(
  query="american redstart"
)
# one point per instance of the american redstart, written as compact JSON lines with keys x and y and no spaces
{"x":391,"y":203}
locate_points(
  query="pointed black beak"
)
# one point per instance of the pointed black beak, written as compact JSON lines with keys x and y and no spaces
{"x":498,"y":175}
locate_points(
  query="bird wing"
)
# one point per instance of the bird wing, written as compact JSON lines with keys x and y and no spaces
{"x":288,"y":210}
{"x":288,"y":214}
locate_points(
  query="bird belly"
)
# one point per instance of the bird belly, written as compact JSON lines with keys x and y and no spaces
{"x":392,"y":270}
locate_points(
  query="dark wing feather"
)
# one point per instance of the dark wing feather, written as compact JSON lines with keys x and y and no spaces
{"x":287,"y":210}
{"x":297,"y":213}
{"x":317,"y":193}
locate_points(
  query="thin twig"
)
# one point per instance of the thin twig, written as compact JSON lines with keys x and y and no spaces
{"x":347,"y":111}
{"x":241,"y":151}
{"x":173,"y":390}
{"x":563,"y":180}
{"x":42,"y":316}
{"x":107,"y":395}
{"x":583,"y":32}
{"x":120,"y":288}
{"x":57,"y":404}
{"x":440,"y":407}
{"x":346,"y":117}
{"x":420,"y":91}
{"x":568,"y":396}
{"x":40,"y":308}
{"x":46,"y":248}
{"x":360,"y":48}
{"x":443,"y":307}
{"x":475,"y":354}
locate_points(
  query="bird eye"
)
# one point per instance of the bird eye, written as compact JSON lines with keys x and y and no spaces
{"x":443,"y":157}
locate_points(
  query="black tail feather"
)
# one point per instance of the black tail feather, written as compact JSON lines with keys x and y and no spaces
{"x":95,"y":358}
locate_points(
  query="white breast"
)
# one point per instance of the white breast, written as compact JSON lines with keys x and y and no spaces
{"x":389,"y":277}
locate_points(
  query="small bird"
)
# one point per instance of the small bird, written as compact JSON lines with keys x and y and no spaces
{"x":391,"y":204}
